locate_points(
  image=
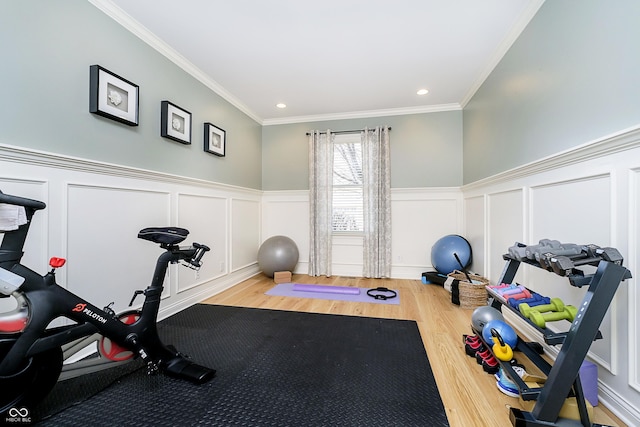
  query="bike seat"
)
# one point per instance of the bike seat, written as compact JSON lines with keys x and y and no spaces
{"x":164,"y":235}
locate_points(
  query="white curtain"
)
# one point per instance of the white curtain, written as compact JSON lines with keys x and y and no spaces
{"x":377,"y":202}
{"x":320,"y":201}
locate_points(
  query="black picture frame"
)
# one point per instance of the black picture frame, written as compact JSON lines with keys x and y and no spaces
{"x":175,"y":122}
{"x":215,"y":140}
{"x":112,"y":96}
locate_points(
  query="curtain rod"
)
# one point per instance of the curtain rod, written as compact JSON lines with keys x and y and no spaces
{"x":342,"y":131}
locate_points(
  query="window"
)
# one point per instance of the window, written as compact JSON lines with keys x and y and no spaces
{"x":347,"y":184}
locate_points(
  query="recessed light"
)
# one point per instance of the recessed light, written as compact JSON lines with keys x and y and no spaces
{"x":422,"y":92}
{"x":281,"y":105}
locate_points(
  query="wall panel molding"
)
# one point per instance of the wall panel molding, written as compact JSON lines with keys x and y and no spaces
{"x":633,"y":303}
{"x":419,"y":217}
{"x":618,"y":142}
{"x":579,"y":196}
{"x":95,"y":210}
{"x":21,"y":155}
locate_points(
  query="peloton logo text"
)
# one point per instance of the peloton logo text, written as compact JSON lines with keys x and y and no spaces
{"x":83,"y":309}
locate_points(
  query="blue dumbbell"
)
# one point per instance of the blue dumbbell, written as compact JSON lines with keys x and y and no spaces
{"x":536,"y":299}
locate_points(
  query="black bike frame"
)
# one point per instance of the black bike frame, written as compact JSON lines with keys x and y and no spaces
{"x":48,"y":301}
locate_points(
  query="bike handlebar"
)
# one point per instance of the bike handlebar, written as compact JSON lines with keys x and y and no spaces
{"x":197,"y":257}
{"x":21,"y":201}
{"x":191,"y":255}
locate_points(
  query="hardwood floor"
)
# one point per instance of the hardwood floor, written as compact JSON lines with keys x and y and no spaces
{"x":470,"y":395}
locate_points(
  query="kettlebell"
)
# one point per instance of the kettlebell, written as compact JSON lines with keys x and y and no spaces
{"x":501,"y":350}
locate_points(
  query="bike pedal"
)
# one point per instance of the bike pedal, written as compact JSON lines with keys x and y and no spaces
{"x":180,"y":367}
{"x":197,"y":373}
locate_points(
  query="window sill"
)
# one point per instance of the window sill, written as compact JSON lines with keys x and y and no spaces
{"x":347,"y":238}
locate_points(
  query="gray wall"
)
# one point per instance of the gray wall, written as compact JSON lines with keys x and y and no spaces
{"x":426,"y":150}
{"x":571,"y":77}
{"x":47,"y":48}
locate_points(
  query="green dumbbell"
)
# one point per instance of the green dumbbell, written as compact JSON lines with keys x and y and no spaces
{"x":555,"y":304}
{"x":540,"y":319}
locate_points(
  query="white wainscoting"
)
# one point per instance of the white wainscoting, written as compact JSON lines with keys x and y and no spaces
{"x":286,"y":213}
{"x":474,"y":219}
{"x":95,"y":210}
{"x":419,"y":217}
{"x":586,"y":195}
{"x":633,"y":303}
{"x":590,"y":194}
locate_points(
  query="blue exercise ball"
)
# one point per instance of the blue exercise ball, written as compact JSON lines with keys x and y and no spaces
{"x":507,"y":333}
{"x":444,"y":251}
{"x":277,"y":253}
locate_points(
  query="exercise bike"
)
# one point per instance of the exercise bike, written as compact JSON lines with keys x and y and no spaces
{"x":33,"y":353}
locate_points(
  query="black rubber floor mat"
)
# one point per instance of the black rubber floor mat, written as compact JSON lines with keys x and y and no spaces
{"x":76,"y":390}
{"x":277,"y":368}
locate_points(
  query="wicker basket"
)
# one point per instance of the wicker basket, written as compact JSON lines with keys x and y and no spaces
{"x":472,"y":295}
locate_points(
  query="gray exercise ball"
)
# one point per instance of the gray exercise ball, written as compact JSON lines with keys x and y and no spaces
{"x":483,"y":315}
{"x":277,"y":253}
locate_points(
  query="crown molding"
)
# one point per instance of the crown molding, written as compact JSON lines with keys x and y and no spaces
{"x":140,"y":31}
{"x":363,"y":114}
{"x":503,"y":48}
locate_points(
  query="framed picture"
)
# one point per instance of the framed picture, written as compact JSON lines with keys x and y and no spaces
{"x":175,"y":123}
{"x":112,"y":96}
{"x":215,"y":140}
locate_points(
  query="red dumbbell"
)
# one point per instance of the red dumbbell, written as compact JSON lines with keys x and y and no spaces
{"x":502,"y":286}
{"x":522,"y":295}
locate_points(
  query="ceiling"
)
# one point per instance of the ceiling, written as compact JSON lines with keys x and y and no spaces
{"x":331,"y":59}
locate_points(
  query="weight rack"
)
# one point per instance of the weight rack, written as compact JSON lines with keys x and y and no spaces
{"x":563,"y":376}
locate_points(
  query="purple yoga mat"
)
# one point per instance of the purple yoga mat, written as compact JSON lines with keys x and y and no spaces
{"x":299,"y":287}
{"x":286,"y":290}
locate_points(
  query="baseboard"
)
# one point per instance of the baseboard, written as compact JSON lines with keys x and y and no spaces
{"x":618,"y":405}
{"x":209,"y":290}
{"x":408,"y":272}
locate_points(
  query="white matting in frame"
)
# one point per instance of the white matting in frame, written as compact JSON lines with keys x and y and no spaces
{"x":175,"y":123}
{"x":112,"y":96}
{"x":215,"y":140}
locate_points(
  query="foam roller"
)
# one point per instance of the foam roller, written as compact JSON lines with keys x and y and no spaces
{"x":326,"y":289}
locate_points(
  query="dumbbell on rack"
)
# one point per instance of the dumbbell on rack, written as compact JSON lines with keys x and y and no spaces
{"x":555,"y":304}
{"x":562,"y":258}
{"x":568,"y":313}
{"x":510,"y":292}
{"x":534,"y":300}
{"x":567,"y":249}
{"x":563,"y":262}
{"x":555,"y":310}
{"x":522,"y":294}
{"x":502,"y":287}
{"x":518,"y":290}
{"x":520,"y":251}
